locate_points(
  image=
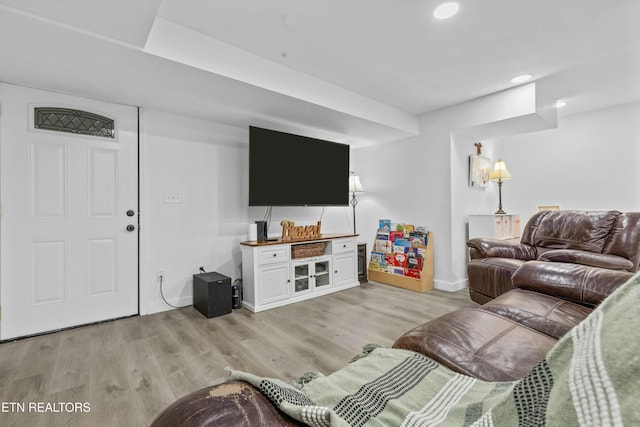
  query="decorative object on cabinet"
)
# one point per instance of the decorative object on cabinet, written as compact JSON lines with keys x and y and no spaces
{"x":355,"y":188}
{"x":291,"y":231}
{"x":493,"y":226}
{"x":277,"y":273}
{"x":500,"y":173}
{"x":307,"y":250}
{"x":479,"y":168}
{"x":402,"y":256}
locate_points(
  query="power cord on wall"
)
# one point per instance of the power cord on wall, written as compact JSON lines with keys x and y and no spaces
{"x":165,"y":300}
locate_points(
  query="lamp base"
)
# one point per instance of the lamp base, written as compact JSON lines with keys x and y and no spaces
{"x":500,"y":212}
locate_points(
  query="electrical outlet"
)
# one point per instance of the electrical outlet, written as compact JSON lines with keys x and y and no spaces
{"x":159,"y":276}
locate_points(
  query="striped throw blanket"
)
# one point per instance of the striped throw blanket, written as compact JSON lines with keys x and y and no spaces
{"x":591,"y":377}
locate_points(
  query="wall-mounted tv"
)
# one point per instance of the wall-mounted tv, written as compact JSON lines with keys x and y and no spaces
{"x":294,"y":170}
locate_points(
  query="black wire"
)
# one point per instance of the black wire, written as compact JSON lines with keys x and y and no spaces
{"x":267,"y":213}
{"x":164,"y":299}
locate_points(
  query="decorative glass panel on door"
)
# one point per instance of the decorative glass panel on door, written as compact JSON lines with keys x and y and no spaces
{"x":301,"y":278}
{"x":322,"y":273}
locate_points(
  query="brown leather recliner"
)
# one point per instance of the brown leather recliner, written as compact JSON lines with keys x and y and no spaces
{"x":609,"y":240}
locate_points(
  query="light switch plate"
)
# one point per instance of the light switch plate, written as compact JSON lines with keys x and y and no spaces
{"x":172,"y":198}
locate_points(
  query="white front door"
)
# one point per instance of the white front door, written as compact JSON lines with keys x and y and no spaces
{"x":66,"y":255}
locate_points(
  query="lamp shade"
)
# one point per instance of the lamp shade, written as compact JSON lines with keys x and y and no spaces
{"x":500,"y":171}
{"x":354,"y":184}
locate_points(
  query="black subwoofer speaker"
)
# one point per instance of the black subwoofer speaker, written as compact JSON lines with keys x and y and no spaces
{"x":212,"y":294}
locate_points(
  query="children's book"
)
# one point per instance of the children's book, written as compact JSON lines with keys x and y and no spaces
{"x":408,"y":229}
{"x":393,"y":235}
{"x":384,"y":246}
{"x":414,"y":262}
{"x":389,"y":260}
{"x":375,"y":266}
{"x":400,"y":259}
{"x":417,"y":239}
{"x":378,"y":258}
{"x":384,"y":225}
{"x":402,"y":242}
{"x":401,"y":245}
{"x":410,"y":272}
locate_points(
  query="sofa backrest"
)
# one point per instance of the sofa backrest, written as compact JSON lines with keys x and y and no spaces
{"x":610,"y":233}
{"x":624,"y":239}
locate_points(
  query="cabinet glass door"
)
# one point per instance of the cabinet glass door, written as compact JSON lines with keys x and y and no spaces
{"x":301,"y":278}
{"x":322,"y":273}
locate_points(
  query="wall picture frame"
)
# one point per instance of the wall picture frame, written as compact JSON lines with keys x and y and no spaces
{"x":479,"y":170}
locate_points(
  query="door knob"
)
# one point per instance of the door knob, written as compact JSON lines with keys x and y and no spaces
{"x":131,"y":227}
{"x":130,"y":213}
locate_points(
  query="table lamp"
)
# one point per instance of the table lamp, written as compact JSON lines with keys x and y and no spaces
{"x":500,"y":173}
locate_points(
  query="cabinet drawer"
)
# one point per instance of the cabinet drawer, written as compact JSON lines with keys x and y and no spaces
{"x":273,"y":254}
{"x":343,"y":245}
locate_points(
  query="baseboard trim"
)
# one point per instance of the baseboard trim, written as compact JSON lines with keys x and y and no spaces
{"x":451,"y":286}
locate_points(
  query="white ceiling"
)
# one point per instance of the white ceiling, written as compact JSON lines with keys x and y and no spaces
{"x":357,"y":71}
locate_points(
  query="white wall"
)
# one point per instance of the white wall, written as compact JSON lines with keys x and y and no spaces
{"x":207,"y":165}
{"x":590,"y":162}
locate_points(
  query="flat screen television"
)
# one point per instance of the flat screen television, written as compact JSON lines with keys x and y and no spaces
{"x":294,"y":170}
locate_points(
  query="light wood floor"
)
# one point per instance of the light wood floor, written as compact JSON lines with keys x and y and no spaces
{"x":129,"y":370}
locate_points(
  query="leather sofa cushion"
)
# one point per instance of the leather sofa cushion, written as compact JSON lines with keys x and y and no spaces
{"x":587,"y":231}
{"x":593,"y":259}
{"x":544,"y":313}
{"x":479,"y":343}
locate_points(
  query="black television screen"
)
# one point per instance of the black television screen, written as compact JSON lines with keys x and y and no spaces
{"x":293,"y":170}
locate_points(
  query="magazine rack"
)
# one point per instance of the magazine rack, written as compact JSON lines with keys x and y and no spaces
{"x":423,"y":284}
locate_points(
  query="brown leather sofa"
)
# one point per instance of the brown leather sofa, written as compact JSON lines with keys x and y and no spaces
{"x":609,"y":240}
{"x":498,"y":341}
{"x":505,"y":338}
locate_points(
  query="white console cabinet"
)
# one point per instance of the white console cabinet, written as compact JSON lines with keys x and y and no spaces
{"x":272,"y":277}
{"x":345,"y":257}
{"x":503,"y":227}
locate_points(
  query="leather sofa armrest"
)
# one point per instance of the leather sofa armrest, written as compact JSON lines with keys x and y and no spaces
{"x":593,"y":259}
{"x":494,"y":248}
{"x":582,"y":284}
{"x":234,"y":403}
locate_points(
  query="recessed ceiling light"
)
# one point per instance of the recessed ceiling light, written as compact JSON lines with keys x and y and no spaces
{"x":521,"y":78}
{"x":446,"y":10}
{"x":560,"y":103}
